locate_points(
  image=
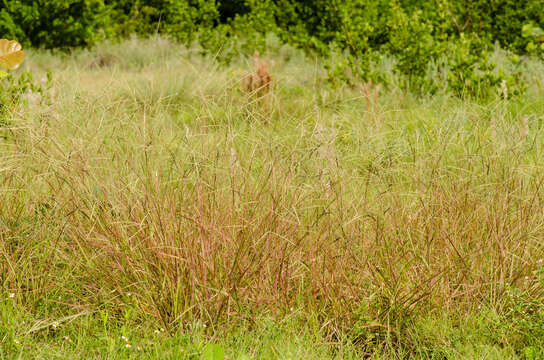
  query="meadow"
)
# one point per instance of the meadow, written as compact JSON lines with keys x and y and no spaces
{"x":154,"y":205}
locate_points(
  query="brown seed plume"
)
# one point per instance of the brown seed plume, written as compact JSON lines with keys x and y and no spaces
{"x":260,"y":80}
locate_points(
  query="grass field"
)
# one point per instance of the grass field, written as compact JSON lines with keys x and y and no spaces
{"x":151,"y":206}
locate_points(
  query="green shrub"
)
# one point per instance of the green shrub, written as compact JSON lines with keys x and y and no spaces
{"x":471,"y":71}
{"x":313,"y":24}
{"x":17,"y":90}
{"x":417,"y":33}
{"x":181,"y":19}
{"x":496,"y":20}
{"x":53,"y":23}
{"x":412,"y":44}
{"x":534,"y":36}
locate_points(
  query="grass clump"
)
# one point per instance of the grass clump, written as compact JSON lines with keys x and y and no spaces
{"x":157,"y":199}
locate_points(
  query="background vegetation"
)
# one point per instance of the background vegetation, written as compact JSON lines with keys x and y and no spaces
{"x":417,"y":33}
{"x":369,"y":186}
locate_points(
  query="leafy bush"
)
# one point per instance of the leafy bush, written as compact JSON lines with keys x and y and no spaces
{"x":352,"y":24}
{"x":13,"y":89}
{"x":417,"y":33}
{"x":471,"y":72}
{"x":535,"y":38}
{"x":413,"y":45}
{"x":495,"y":20}
{"x":53,"y":23}
{"x":18,"y":90}
{"x":182,"y":19}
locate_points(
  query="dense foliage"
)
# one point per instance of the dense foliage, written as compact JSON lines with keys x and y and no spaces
{"x":353,"y":24}
{"x":54,"y":23}
{"x":417,"y":33}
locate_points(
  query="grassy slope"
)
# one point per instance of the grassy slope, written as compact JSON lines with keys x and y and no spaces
{"x":153,"y":192}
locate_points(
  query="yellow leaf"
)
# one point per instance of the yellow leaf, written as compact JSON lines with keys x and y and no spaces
{"x":11,"y":55}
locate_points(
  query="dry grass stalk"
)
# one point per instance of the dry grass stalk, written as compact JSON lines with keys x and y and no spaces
{"x":259,"y":81}
{"x":371,"y":92}
{"x":525,"y":128}
{"x":493,"y":128}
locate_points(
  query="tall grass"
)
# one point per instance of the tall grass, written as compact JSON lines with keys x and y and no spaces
{"x":154,"y":180}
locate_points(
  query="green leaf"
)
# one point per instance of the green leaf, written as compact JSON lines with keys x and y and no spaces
{"x":526,"y":30}
{"x":3,"y":74}
{"x":213,"y":352}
